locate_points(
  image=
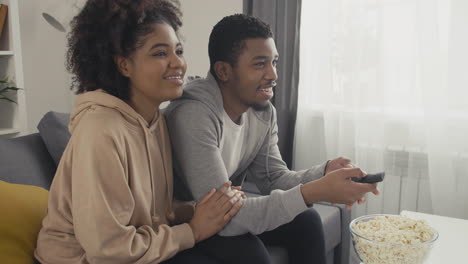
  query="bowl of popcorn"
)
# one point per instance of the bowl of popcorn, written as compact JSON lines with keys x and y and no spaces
{"x":390,"y":239}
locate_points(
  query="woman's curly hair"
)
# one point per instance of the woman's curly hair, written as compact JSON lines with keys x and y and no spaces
{"x":105,"y":29}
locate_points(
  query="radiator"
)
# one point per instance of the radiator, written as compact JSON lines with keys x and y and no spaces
{"x":407,"y":182}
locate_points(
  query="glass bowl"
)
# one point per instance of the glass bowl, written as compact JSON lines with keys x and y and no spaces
{"x":370,"y":240}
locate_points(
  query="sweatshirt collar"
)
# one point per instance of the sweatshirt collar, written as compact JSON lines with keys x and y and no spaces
{"x":208,"y":92}
{"x":101,"y":98}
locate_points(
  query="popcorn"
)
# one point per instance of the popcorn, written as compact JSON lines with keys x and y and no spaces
{"x":390,"y":239}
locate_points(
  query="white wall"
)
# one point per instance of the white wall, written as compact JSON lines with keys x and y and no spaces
{"x":47,"y":83}
{"x":199,"y":17}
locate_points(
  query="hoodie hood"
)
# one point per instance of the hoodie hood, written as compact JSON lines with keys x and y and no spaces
{"x":100,"y":98}
{"x":207,"y":91}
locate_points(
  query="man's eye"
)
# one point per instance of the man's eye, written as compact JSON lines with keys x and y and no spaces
{"x":275,"y":62}
{"x":180,"y":52}
{"x":260,"y":63}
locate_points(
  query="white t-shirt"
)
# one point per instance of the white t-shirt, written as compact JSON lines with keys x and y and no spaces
{"x":232,"y":142}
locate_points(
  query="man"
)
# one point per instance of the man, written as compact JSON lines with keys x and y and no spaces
{"x":224,"y":127}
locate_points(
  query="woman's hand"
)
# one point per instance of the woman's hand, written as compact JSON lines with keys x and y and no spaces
{"x":214,"y":211}
{"x":238,"y":189}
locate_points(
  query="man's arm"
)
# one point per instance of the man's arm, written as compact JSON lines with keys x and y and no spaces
{"x":268,"y":170}
{"x":194,"y":134}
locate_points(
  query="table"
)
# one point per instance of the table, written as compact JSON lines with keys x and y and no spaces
{"x":453,"y":237}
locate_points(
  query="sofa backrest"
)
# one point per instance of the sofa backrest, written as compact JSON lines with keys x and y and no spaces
{"x":53,"y":129}
{"x":25,"y":160}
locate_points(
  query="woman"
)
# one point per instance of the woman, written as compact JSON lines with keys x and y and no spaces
{"x":111,"y":200}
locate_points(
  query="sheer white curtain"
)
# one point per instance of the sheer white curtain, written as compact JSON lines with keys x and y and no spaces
{"x":385,"y":82}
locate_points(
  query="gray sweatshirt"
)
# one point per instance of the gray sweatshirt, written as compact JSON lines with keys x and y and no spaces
{"x":195,"y":122}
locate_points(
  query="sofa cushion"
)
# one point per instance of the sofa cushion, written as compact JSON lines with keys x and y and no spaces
{"x":25,"y":160}
{"x":53,"y":128}
{"x":23,"y":207}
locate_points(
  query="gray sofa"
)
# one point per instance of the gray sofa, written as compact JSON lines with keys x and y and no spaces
{"x":32,"y":160}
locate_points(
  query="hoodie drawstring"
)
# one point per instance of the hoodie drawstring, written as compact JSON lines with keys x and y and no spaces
{"x":270,"y":131}
{"x":169,"y":214}
{"x":155,"y":219}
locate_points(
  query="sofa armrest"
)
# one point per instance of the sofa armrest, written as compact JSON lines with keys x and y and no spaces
{"x":343,"y":250}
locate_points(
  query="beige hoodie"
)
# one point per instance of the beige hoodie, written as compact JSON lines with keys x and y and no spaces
{"x":111,"y":198}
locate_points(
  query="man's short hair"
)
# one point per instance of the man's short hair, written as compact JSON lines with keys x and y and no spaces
{"x":227,"y":39}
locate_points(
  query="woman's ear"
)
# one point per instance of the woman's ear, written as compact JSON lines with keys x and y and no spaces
{"x":223,"y":70}
{"x":122,"y":64}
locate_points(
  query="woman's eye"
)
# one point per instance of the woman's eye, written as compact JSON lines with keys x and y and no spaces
{"x":180,"y":52}
{"x":159,"y":54}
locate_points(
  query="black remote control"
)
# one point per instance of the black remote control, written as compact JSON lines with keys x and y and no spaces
{"x":370,"y":178}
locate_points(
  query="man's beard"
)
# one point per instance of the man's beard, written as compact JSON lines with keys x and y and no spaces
{"x":264,"y":106}
{"x":260,"y":107}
